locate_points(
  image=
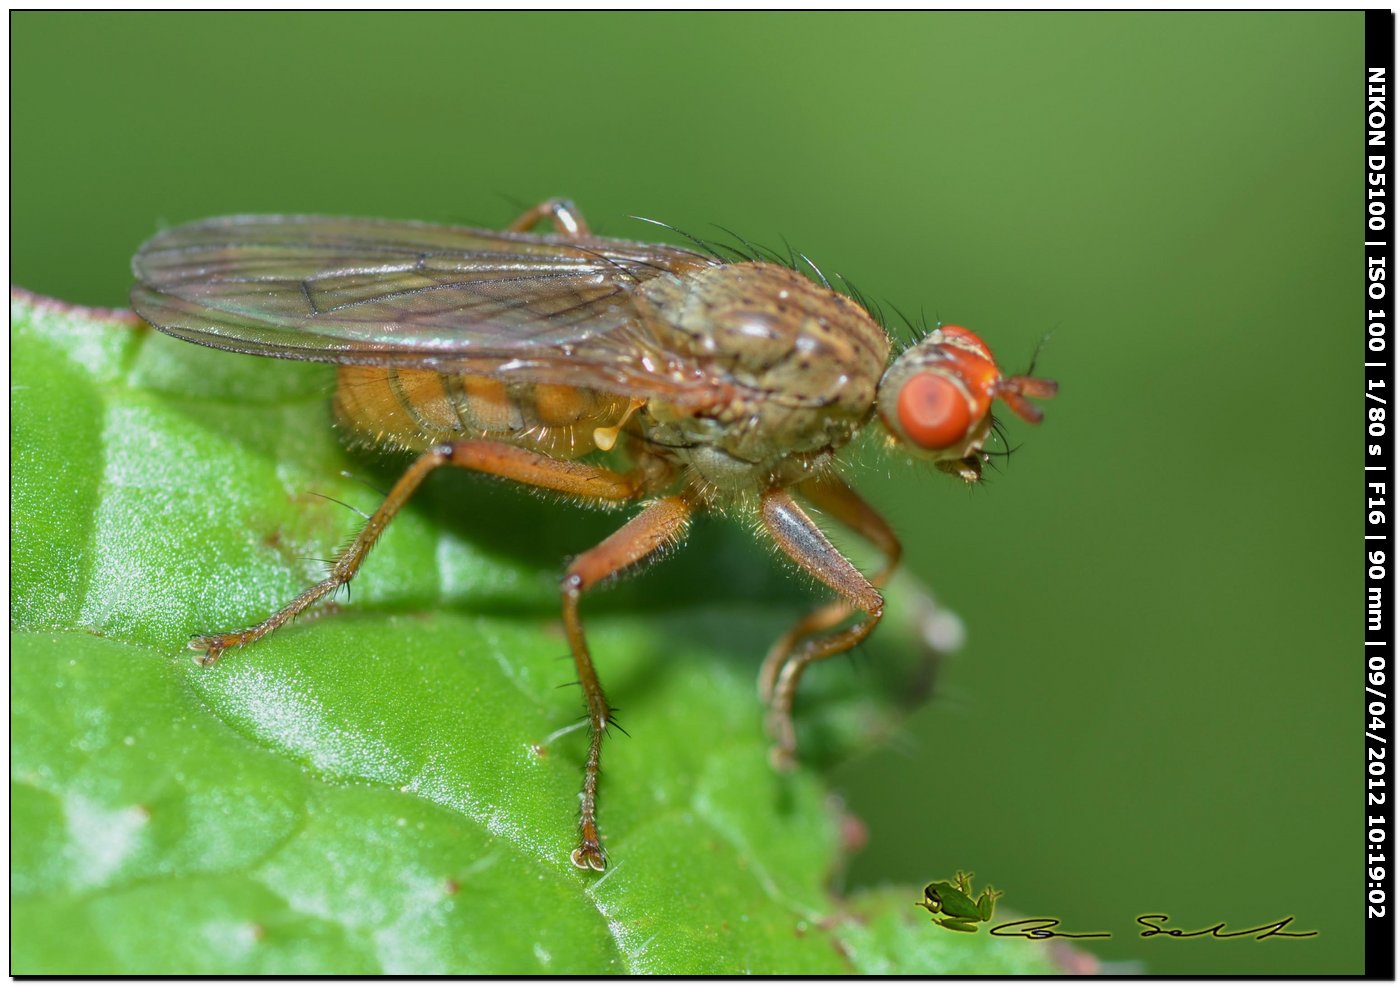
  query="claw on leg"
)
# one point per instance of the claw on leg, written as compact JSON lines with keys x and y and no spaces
{"x":590,"y":483}
{"x":661,"y":524}
{"x":209,"y":651}
{"x":589,"y":856}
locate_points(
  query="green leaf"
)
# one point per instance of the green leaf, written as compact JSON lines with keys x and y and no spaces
{"x":393,"y":787}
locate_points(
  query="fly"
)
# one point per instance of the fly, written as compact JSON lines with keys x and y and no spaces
{"x":610,"y":371}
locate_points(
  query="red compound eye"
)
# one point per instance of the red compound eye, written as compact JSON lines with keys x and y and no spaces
{"x":967,"y":338}
{"x":933,"y":411}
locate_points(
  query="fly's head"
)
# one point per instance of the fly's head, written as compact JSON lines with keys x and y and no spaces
{"x":935,"y":400}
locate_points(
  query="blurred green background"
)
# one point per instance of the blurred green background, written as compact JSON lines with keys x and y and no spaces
{"x":1156,"y":710}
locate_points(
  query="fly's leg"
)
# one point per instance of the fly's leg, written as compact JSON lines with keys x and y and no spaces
{"x":661,"y":525}
{"x":805,"y":543}
{"x":832,"y":496}
{"x":567,"y":220}
{"x":582,"y":481}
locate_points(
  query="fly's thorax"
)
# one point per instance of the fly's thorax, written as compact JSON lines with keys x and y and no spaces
{"x":794,"y":366}
{"x":413,"y":409}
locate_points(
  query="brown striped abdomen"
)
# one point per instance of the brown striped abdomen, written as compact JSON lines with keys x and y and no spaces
{"x":412,"y":409}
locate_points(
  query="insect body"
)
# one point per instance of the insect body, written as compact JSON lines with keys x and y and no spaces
{"x":954,"y":902}
{"x":610,"y":371}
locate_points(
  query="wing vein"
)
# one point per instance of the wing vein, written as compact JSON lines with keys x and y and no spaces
{"x":396,"y":294}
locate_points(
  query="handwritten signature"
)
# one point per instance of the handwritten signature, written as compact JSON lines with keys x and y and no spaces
{"x":1038,"y":928}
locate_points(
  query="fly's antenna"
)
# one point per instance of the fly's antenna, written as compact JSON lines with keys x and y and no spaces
{"x":1014,"y":390}
{"x":1039,"y":348}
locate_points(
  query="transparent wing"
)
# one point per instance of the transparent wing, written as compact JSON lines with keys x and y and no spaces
{"x":380,"y":292}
